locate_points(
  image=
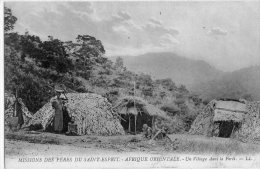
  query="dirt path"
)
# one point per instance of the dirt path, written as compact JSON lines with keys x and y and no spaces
{"x":25,"y":149}
{"x":37,"y":142}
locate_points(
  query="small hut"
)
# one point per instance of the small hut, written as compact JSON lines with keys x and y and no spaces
{"x":10,"y":110}
{"x":92,"y":114}
{"x":235,"y":119}
{"x":135,"y":112}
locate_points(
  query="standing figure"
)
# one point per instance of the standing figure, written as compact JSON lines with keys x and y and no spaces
{"x":19,"y":113}
{"x":58,"y":117}
{"x":66,"y":117}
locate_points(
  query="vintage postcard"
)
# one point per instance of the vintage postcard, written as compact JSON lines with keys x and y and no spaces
{"x":129,"y":84}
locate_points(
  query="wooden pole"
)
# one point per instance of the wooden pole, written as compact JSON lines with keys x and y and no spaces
{"x":129,"y":126}
{"x":231,"y":135}
{"x":134,"y":95}
{"x":135,"y":124}
{"x":135,"y":107}
{"x":134,"y":88}
{"x":153,"y":122}
{"x":220,"y":125}
{"x":15,"y":105}
{"x":158,"y":132}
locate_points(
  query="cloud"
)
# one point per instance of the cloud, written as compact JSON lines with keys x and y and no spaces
{"x":134,"y":27}
{"x":124,"y":15}
{"x":66,"y":20}
{"x":121,"y":29}
{"x":155,"y":21}
{"x":160,"y":35}
{"x":121,"y":16}
{"x":168,"y":39}
{"x":158,"y":30}
{"x":217,"y":31}
{"x":80,"y":6}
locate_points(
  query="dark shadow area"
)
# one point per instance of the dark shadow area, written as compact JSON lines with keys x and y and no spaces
{"x":226,"y":128}
{"x":35,"y":127}
{"x":141,"y":119}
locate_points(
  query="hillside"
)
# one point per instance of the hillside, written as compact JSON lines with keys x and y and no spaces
{"x":198,"y":76}
{"x":243,"y":83}
{"x":169,"y":65}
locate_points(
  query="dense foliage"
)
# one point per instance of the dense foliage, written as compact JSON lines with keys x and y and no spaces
{"x":9,"y":19}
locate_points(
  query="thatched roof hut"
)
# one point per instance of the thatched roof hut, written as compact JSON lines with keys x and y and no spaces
{"x":237,"y":119}
{"x":92,"y":114}
{"x":135,"y":112}
{"x":9,"y":104}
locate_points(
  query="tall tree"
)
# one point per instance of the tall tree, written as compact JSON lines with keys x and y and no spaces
{"x":55,"y":55}
{"x":9,"y":19}
{"x":94,"y":46}
{"x":30,"y":46}
{"x":90,"y":51}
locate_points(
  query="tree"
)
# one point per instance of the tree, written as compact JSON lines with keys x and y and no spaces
{"x":55,"y":55}
{"x":94,"y":46}
{"x":167,"y":83}
{"x":30,"y":46}
{"x":145,"y":80}
{"x":90,"y":51}
{"x":9,"y":19}
{"x":182,"y":89}
{"x":119,"y":64}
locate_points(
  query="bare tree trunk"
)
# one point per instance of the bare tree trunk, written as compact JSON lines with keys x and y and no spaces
{"x":129,"y":125}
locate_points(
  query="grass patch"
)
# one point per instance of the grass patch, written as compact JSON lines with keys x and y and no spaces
{"x":216,"y":146}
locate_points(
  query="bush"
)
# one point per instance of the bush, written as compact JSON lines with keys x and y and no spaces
{"x":171,"y":109}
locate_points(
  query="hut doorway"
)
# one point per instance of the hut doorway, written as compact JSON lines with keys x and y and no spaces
{"x":135,"y":112}
{"x":226,"y":128}
{"x":134,"y":123}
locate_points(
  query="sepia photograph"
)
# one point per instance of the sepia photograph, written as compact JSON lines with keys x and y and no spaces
{"x":129,"y":84}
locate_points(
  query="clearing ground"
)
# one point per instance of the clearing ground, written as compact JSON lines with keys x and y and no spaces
{"x":30,"y":145}
{"x":25,"y":142}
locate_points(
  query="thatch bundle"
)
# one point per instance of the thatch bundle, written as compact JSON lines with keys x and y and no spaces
{"x":92,"y":114}
{"x":10,"y":109}
{"x":134,"y":105}
{"x":201,"y":124}
{"x":247,"y":114}
{"x":250,"y":129}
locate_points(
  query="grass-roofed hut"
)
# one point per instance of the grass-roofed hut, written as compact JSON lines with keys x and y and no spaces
{"x":11,"y":108}
{"x":92,"y":114}
{"x":135,"y":112}
{"x":236,"y":119}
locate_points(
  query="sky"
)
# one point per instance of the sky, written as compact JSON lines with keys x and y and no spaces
{"x":224,"y":34}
